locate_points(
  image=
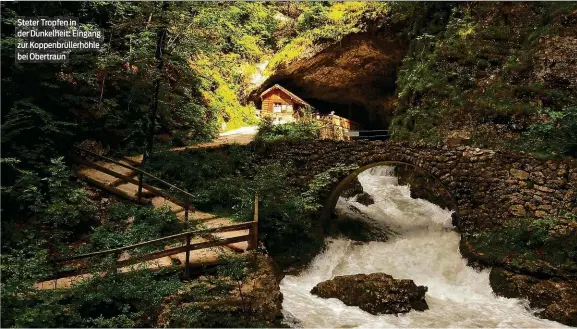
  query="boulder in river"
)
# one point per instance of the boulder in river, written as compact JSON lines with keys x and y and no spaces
{"x":376,"y":293}
{"x":556,"y":297}
{"x":365,"y":199}
{"x":354,"y":188}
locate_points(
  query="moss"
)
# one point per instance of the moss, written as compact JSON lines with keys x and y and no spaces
{"x":320,"y":26}
{"x":531,"y":244}
{"x":477,"y":70}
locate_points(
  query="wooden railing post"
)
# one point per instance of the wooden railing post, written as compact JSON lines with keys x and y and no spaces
{"x":140,"y":180}
{"x":253,"y":231}
{"x":55,"y":268}
{"x":187,"y":258}
{"x":187,"y":239}
{"x":116,"y":256}
{"x":186,"y":206}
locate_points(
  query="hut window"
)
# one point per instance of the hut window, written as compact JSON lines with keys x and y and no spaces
{"x":276,"y":107}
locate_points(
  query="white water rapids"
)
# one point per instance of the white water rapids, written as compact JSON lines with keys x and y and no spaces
{"x":426,"y":251}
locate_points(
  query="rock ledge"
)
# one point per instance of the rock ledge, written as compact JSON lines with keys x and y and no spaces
{"x":376,"y":293}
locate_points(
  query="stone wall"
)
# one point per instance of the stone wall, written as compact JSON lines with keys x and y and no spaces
{"x":488,"y":186}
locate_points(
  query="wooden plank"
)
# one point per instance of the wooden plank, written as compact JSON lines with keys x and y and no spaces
{"x":113,"y":190}
{"x":134,"y":163}
{"x":121,"y":181}
{"x":135,"y":169}
{"x":133,"y":181}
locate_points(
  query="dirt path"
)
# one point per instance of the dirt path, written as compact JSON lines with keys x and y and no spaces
{"x":129,"y":190}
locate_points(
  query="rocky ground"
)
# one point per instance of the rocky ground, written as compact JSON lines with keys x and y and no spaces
{"x":226,"y":300}
{"x":534,"y":259}
{"x":557,"y":297}
{"x":376,"y":293}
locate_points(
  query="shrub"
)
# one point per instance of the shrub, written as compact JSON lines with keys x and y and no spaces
{"x":528,"y":242}
{"x":45,"y":202}
{"x":555,"y":134}
{"x":130,"y":224}
{"x":268,"y":131}
{"x":117,"y":300}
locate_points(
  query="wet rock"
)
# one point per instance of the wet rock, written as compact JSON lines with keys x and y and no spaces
{"x":519,"y":174}
{"x":357,"y":227}
{"x":518,"y":210}
{"x":216,"y":301}
{"x":354,"y":188}
{"x":376,"y":293}
{"x":365,"y":199}
{"x":557,"y":297}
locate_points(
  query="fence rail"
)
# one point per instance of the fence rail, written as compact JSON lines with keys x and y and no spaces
{"x":251,"y":238}
{"x":186,"y":204}
{"x":228,"y":228}
{"x":333,"y":131}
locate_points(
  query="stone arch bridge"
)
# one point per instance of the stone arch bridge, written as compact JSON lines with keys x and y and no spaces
{"x":485,"y":187}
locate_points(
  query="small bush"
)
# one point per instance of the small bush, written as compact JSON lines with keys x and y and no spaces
{"x":555,"y":134}
{"x":527,"y":243}
{"x":116,"y":300}
{"x":268,"y":131}
{"x":129,"y":224}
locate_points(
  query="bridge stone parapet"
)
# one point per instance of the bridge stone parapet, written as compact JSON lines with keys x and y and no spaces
{"x":487,"y":186}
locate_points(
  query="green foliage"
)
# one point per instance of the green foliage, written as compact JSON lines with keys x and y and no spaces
{"x":268,"y":131}
{"x":226,"y":181}
{"x":33,"y":132}
{"x":24,"y":263}
{"x":468,"y":74}
{"x":115,"y":300}
{"x":326,"y":23}
{"x":45,"y":202}
{"x":129,"y":224}
{"x":556,"y":133}
{"x":315,"y":15}
{"x":528,"y":243}
{"x":210,"y":176}
{"x":323,"y":181}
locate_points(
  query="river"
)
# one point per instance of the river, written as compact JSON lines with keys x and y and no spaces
{"x":425,"y":249}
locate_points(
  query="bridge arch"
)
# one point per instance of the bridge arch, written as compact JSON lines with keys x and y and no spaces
{"x":434,"y":190}
{"x":489,"y":187}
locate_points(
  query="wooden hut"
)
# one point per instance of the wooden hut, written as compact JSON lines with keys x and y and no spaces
{"x":282,"y":105}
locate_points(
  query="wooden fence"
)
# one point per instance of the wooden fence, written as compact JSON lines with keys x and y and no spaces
{"x":185,"y":202}
{"x":251,"y":238}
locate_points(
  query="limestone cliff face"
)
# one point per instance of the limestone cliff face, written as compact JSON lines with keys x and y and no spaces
{"x":491,"y":74}
{"x":357,"y":72}
{"x":497,"y":74}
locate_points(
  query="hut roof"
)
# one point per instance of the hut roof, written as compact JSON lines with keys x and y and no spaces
{"x":286,"y":91}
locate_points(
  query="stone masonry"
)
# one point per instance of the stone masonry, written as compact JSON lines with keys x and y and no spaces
{"x":488,"y":186}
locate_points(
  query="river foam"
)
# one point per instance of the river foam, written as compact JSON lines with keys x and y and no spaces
{"x":426,"y":250}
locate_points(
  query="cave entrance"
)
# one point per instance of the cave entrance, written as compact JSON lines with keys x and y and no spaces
{"x":374,"y":125}
{"x":350,"y":111}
